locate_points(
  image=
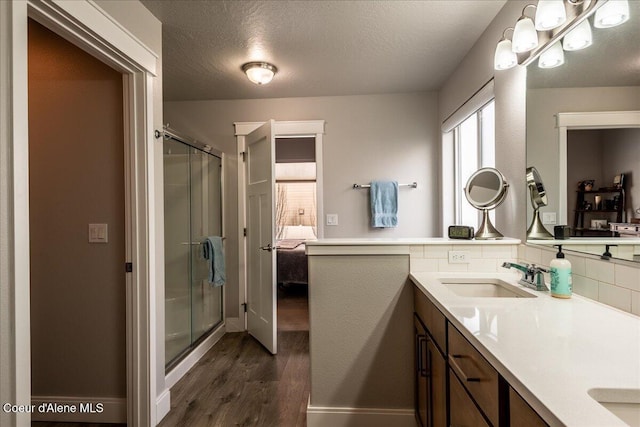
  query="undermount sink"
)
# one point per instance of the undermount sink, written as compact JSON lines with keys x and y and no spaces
{"x":484,"y":288}
{"x":623,"y":403}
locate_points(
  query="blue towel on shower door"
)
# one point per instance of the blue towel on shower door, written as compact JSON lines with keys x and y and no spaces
{"x":212,"y":252}
{"x":384,"y":204}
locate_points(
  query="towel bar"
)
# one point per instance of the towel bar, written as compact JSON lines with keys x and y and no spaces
{"x":412,"y":185}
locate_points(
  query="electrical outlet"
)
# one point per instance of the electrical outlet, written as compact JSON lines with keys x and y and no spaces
{"x":459,"y":257}
{"x":548,"y":217}
{"x":332,"y":219}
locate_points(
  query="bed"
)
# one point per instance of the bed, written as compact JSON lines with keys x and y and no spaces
{"x":291,"y":262}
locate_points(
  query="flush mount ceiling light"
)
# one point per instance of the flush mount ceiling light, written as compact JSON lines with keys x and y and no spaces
{"x":504,"y":57}
{"x":259,"y":73}
{"x":578,"y":38}
{"x":612,"y":13}
{"x":550,"y":14}
{"x":525,"y":37}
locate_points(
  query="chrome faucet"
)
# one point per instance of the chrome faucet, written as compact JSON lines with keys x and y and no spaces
{"x":532,"y":276}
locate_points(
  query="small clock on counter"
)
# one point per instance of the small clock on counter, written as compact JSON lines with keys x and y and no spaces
{"x":460,"y":232}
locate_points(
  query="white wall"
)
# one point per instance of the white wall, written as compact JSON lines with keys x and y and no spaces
{"x":387,"y":136}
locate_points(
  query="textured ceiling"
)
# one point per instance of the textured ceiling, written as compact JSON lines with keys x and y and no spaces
{"x":320,"y":47}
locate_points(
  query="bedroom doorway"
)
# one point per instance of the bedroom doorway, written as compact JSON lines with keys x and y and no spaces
{"x":296,"y":221}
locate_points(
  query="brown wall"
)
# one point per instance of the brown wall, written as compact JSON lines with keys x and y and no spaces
{"x":76,"y":177}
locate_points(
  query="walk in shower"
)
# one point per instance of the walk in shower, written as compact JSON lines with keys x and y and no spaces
{"x":192,"y":211}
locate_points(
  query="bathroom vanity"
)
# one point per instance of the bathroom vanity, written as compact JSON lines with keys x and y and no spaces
{"x":394,"y":319}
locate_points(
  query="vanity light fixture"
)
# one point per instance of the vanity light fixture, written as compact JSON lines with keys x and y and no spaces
{"x":578,"y":38}
{"x":525,"y":37}
{"x":550,"y":14}
{"x":552,"y":57}
{"x":612,"y":13}
{"x":504,"y":57}
{"x":259,"y":73}
{"x":561,"y":23}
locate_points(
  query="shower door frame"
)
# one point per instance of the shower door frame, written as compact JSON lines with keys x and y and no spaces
{"x":185,"y":360}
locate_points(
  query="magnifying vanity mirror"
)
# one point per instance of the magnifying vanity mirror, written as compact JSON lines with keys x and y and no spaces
{"x":486,"y":189}
{"x":590,"y":106}
{"x":538,"y":199}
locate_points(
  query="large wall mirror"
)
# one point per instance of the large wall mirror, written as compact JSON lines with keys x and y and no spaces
{"x":603,"y":78}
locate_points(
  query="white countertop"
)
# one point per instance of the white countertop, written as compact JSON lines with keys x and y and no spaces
{"x":552,"y":351}
{"x":587,"y":241}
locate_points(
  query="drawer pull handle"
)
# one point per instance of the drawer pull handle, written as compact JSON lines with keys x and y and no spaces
{"x":458,"y":369}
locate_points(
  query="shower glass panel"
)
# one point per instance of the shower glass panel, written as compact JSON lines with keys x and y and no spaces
{"x":193,"y":211}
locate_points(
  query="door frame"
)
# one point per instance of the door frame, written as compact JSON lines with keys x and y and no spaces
{"x":306,"y":128}
{"x":90,"y":28}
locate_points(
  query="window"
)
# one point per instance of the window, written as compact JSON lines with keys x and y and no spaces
{"x":474,"y":148}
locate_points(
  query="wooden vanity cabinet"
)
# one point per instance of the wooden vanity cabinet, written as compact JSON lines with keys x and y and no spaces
{"x":477,"y":376}
{"x":430,"y":365}
{"x":455,"y":385}
{"x":521,"y":414}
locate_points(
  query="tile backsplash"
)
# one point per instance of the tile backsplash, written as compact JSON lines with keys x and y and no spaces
{"x":482,"y":258}
{"x":615,"y":283}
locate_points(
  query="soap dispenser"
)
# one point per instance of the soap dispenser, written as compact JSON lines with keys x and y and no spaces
{"x":560,"y":275}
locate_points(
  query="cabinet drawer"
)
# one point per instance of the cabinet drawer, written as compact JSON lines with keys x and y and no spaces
{"x":463,"y":412}
{"x":521,"y":414}
{"x":433,"y":319}
{"x":475,"y":373}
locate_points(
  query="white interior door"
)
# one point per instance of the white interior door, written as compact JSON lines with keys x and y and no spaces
{"x":261,"y":255}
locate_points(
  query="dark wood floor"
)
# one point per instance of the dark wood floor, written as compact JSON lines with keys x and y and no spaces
{"x":238,"y":383}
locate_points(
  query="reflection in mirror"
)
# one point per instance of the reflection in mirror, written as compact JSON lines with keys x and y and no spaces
{"x":538,"y":199}
{"x":486,"y":189}
{"x":603,"y":78}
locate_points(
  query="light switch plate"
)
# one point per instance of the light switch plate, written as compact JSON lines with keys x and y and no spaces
{"x":332,"y":219}
{"x":98,"y":233}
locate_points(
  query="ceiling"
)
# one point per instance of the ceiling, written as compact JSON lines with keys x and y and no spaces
{"x":321,"y":48}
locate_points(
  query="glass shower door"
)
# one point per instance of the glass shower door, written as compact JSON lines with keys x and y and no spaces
{"x":206,"y":220}
{"x":177,"y":249}
{"x":193,"y":211}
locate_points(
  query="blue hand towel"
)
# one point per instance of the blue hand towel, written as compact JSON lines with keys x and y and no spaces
{"x":384,"y":204}
{"x":212,"y":252}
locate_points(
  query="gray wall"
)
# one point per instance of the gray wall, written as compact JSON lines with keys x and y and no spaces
{"x":474,"y":71}
{"x":389,"y":136}
{"x":76,"y":163}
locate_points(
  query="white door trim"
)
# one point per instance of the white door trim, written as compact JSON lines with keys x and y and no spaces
{"x":86,"y":25}
{"x":311,"y":128}
{"x":584,"y":120}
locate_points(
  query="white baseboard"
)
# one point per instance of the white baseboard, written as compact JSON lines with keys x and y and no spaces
{"x":79,"y":409}
{"x":163,"y":405}
{"x":234,"y":324}
{"x":359,"y":417}
{"x":192,"y":358}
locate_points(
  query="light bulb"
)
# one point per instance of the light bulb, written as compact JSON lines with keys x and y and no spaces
{"x":552,"y":57}
{"x":504,"y":57}
{"x":525,"y":36}
{"x":612,"y":13}
{"x":550,"y":14}
{"x":578,"y":38}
